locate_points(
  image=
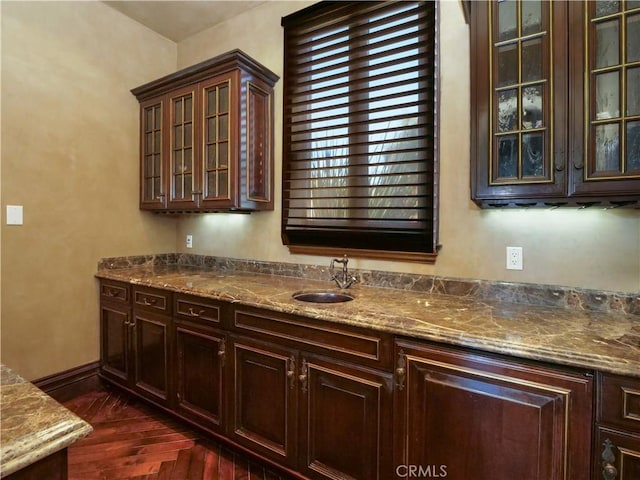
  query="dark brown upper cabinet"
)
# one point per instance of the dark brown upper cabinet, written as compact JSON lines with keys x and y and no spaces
{"x":555,"y":96}
{"x":206,"y":137}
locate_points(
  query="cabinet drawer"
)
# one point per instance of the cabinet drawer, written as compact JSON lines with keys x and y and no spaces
{"x":115,"y":291}
{"x":190,"y":307}
{"x":368,"y":347}
{"x":152,"y":299}
{"x":619,"y":402}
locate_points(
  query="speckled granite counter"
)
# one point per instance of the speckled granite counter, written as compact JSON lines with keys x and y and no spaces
{"x":608,"y":342}
{"x":32,"y":424}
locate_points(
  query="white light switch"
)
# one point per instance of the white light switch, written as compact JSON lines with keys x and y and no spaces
{"x":14,"y":214}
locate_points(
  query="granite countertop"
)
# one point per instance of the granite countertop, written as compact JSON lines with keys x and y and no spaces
{"x":32,"y":424}
{"x":608,"y":342}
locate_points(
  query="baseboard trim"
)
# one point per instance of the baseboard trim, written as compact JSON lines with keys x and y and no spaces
{"x":71,"y":383}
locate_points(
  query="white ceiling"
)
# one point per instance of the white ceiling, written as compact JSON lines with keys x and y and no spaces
{"x":177,"y":20}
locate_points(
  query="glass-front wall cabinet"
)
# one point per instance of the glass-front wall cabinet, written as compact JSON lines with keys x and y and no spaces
{"x":613,"y":146}
{"x":521,"y":85}
{"x":206,"y":140}
{"x":555,"y":103}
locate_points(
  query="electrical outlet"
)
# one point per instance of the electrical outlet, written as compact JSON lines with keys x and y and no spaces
{"x":189,"y":241}
{"x":514,"y":258}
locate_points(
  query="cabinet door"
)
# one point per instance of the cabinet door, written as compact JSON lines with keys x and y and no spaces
{"x":199,"y":370}
{"x":114,"y":346}
{"x":153,"y":158}
{"x":220,"y":140}
{"x":258,"y":145}
{"x":183,"y":154}
{"x":345,"y":421}
{"x":264,"y":410}
{"x":518,"y":96}
{"x":151,"y":355}
{"x":607,"y":152}
{"x":476,"y":417}
{"x":617,"y":455}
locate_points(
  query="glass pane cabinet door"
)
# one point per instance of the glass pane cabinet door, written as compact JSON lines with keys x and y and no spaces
{"x":520,"y":89}
{"x":152,"y":185}
{"x":217,"y":149}
{"x":519,"y":95}
{"x":612,"y":140}
{"x":181,"y":151}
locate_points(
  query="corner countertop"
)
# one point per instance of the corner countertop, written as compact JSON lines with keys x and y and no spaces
{"x":608,"y":342}
{"x":32,"y":424}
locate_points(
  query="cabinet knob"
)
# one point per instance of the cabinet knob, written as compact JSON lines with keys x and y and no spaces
{"x":578,"y":163}
{"x":559,"y":160}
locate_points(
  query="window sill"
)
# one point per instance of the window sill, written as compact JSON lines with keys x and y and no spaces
{"x":415,"y":257}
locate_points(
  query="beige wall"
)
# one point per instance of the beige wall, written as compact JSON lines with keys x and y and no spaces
{"x":70,"y":157}
{"x":582,"y":248}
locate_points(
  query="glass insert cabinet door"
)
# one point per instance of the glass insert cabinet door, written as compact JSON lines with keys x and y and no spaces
{"x":152,"y":161}
{"x":181,"y":149}
{"x":217,"y":147}
{"x":521,"y":90}
{"x":612,"y":140}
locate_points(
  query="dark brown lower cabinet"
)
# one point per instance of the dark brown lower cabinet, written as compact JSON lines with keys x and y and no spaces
{"x":345,"y":420}
{"x":324,"y":418}
{"x":617,"y":442}
{"x":331,"y":401}
{"x":115,"y":341}
{"x":617,"y":455}
{"x":264,"y":394}
{"x":151,"y":355}
{"x":135,"y":343}
{"x":467,"y":416}
{"x":199,"y":370}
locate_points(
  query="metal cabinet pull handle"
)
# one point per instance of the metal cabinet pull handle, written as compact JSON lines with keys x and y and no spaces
{"x":148,"y":302}
{"x":222,"y":352}
{"x":291,"y":372}
{"x":401,"y":370}
{"x":193,"y":313}
{"x":303,"y":376}
{"x":609,"y":471}
{"x":111,"y":292}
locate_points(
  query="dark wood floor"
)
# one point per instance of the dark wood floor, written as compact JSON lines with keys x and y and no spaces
{"x":132,"y":441}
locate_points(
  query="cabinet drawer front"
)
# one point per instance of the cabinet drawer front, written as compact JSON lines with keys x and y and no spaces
{"x":368,"y":347}
{"x":616,"y":450}
{"x":619,"y":402}
{"x":189,"y":307}
{"x":152,"y":299}
{"x":114,"y":291}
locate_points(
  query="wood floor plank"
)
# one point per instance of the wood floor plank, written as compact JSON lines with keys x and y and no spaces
{"x":132,"y":441}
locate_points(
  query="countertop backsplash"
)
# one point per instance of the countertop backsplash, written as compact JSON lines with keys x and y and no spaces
{"x":524,"y":293}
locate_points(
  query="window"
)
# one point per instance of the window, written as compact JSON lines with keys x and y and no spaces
{"x":359,"y":160}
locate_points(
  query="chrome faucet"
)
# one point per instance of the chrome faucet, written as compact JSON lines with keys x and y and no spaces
{"x":342,"y":279}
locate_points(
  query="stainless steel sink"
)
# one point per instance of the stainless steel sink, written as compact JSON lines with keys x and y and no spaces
{"x":323,"y":297}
